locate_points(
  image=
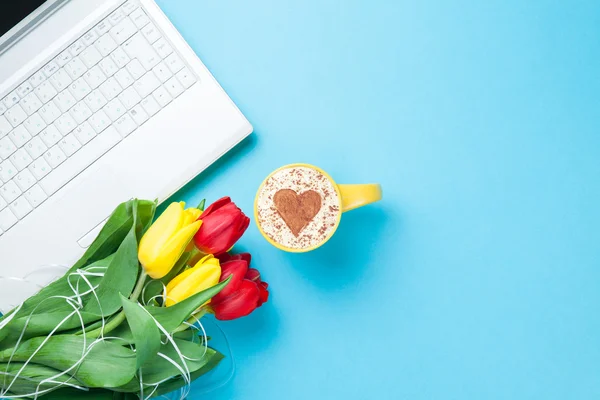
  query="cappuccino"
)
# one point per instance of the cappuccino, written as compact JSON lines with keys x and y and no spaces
{"x":298,"y":207}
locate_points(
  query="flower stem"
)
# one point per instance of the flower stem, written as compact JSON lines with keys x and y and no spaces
{"x":139,"y":286}
{"x":120,"y":317}
{"x":195,"y":256}
{"x":193,"y":319}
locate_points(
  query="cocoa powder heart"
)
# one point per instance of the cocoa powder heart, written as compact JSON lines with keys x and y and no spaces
{"x":297,"y":210}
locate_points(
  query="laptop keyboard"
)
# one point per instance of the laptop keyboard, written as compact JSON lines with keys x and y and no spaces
{"x":81,"y":104}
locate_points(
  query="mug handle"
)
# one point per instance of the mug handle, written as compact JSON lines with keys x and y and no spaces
{"x":354,"y":196}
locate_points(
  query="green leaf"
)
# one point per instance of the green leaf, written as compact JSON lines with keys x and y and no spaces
{"x":110,"y":237}
{"x":42,"y":324}
{"x":175,"y":384}
{"x":145,"y":216}
{"x":171,"y":317}
{"x":120,"y":277}
{"x":145,"y":332}
{"x":42,"y":301}
{"x":30,"y":379}
{"x":44,"y":306}
{"x":107,"y":364}
{"x":190,"y":335}
{"x":123,"y":332}
{"x":94,"y":394}
{"x":116,"y":228}
{"x":157,"y":369}
{"x":201,"y":205}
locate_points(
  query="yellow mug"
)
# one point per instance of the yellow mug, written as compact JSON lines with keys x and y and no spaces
{"x":298,"y":207}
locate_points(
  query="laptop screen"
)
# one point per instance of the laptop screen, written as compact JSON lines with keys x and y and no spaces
{"x":13,"y":12}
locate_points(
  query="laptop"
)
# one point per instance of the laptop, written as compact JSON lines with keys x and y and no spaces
{"x":100,"y":101}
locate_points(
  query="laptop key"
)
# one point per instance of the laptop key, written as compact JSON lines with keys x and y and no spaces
{"x":90,"y":37}
{"x":138,"y":114}
{"x":123,"y":30}
{"x":7,"y":171}
{"x":186,"y":78}
{"x":34,"y":124}
{"x":5,"y":127}
{"x":163,"y":48}
{"x":16,"y":115}
{"x":125,"y":125}
{"x":75,"y":68}
{"x":120,"y":57}
{"x":21,"y":207}
{"x":174,"y":87}
{"x":139,"y":17}
{"x":50,"y":112}
{"x":11,"y":99}
{"x":84,"y":133}
{"x":21,"y":159}
{"x":50,"y":135}
{"x":46,"y":92}
{"x":116,"y":17}
{"x":36,"y":147}
{"x":55,"y":156}
{"x":25,"y":180}
{"x":7,"y":147}
{"x":50,"y":69}
{"x":138,"y":47}
{"x":162,"y":96}
{"x":63,"y":58}
{"x":91,"y":56}
{"x":151,"y":33}
{"x":7,"y":219}
{"x":103,"y":27}
{"x":150,"y":105}
{"x":40,"y":168}
{"x":105,"y":45}
{"x":95,"y":77}
{"x":19,"y":136}
{"x":37,"y":78}
{"x":147,"y":84}
{"x":10,"y":191}
{"x":129,"y":7}
{"x":35,"y":196}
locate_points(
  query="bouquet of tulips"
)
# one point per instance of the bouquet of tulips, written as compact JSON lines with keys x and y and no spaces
{"x":123,"y":322}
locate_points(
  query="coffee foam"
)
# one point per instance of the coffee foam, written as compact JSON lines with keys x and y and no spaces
{"x":300,"y":180}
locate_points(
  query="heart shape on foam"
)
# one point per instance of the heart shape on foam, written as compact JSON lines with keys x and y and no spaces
{"x":297,"y":210}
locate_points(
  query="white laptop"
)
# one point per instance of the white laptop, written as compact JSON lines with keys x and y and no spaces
{"x":100,"y":101}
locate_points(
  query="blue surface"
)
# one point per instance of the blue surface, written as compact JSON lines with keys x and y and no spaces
{"x":478,"y":276}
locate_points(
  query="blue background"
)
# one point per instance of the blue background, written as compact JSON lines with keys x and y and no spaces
{"x":478,"y":275}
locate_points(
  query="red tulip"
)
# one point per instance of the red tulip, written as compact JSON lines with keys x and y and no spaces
{"x":223,"y":223}
{"x":254,"y":276}
{"x":223,"y":258}
{"x":237,"y":270}
{"x":241,"y":303}
{"x":244,"y":293}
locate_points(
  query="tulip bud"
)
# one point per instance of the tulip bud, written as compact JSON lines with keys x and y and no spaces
{"x":237,"y":270}
{"x":224,"y":257}
{"x":204,"y":275}
{"x":241,"y":303}
{"x":223,"y":223}
{"x":253,"y":275}
{"x":245,"y":291}
{"x":165,"y":241}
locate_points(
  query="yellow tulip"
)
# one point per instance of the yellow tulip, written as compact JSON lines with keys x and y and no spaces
{"x":166,"y":240}
{"x":204,"y":275}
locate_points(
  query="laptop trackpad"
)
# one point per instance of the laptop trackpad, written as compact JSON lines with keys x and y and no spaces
{"x":93,"y":200}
